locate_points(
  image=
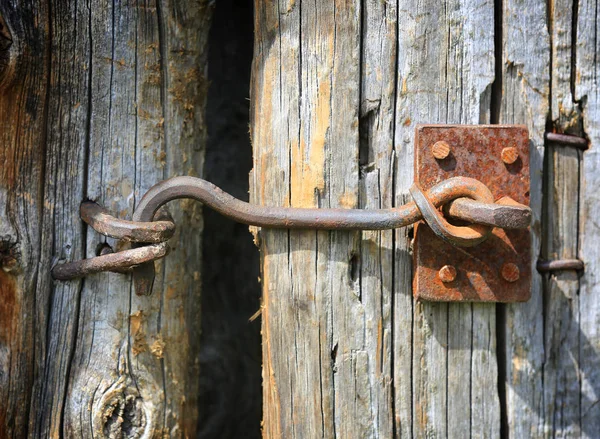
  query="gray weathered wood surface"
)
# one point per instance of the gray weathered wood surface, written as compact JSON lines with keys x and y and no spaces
{"x":587,"y":94}
{"x":562,"y":396}
{"x":525,"y":70}
{"x":445,"y":75}
{"x":99,"y":100}
{"x":347,"y":352}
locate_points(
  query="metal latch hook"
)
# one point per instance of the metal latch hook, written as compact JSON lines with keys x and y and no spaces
{"x":150,"y":226}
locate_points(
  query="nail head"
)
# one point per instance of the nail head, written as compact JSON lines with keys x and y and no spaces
{"x":440,"y":150}
{"x":510,"y":272}
{"x":509,"y":155}
{"x":447,"y":273}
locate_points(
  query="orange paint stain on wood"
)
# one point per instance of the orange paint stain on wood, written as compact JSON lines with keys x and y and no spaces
{"x":308,"y":161}
{"x":264,"y":111}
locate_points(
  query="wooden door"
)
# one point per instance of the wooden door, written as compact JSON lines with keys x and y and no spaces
{"x":337,"y":90}
{"x":100,"y":100}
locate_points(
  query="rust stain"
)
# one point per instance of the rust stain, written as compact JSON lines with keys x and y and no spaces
{"x":263,"y":111}
{"x":9,"y":313}
{"x":475,"y":151}
{"x":347,"y":200}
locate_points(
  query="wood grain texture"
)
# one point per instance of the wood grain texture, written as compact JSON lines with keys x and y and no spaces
{"x":122,"y":90}
{"x":304,"y":128}
{"x":553,"y":340}
{"x":562,"y":396}
{"x":23,"y":88}
{"x":445,"y":75}
{"x":344,"y":355}
{"x":587,"y":93}
{"x":525,"y":99}
{"x":374,"y":265}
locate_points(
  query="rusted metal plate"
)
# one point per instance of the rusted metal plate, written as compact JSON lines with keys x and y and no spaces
{"x":499,"y":269}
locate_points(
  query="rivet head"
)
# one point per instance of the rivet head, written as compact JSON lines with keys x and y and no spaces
{"x":440,"y":150}
{"x":509,"y":155}
{"x":447,"y":273}
{"x":510,"y":272}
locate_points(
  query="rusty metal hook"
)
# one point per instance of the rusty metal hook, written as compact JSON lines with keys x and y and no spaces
{"x":145,"y":229}
{"x":156,"y":233}
{"x":462,"y":236}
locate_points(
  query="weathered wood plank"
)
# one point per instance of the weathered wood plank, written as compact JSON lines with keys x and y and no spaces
{"x":377,"y":167}
{"x":561,"y":344}
{"x":327,"y":296}
{"x":123,"y":109}
{"x":62,"y":234}
{"x":305,"y":135}
{"x":525,"y":99}
{"x":587,"y":92}
{"x":560,"y":240}
{"x":152,"y":62}
{"x":445,"y":75}
{"x":23,"y":85}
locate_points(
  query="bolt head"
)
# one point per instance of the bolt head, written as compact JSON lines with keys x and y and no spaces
{"x":510,"y":272}
{"x":509,"y":155}
{"x":447,"y":273}
{"x":440,"y":150}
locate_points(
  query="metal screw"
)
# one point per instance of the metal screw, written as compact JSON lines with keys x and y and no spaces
{"x":447,"y":273}
{"x":440,"y":150}
{"x":509,"y":155}
{"x":510,"y":272}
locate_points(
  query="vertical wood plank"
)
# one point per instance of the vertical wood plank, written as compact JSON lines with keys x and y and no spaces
{"x":136,"y":357}
{"x":376,"y":258}
{"x":587,"y":92}
{"x":445,"y":75}
{"x":525,"y":99}
{"x":560,"y":241}
{"x":62,"y":235}
{"x":329,"y":290}
{"x":304,"y":129}
{"x":108,"y":99}
{"x":23,"y":87}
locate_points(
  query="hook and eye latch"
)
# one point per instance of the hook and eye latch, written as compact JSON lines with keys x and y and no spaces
{"x":462,"y":198}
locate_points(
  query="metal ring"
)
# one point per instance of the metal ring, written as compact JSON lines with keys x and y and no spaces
{"x":461,"y":236}
{"x":103,"y":222}
{"x":110,"y":262}
{"x":133,"y":231}
{"x":143,"y":230}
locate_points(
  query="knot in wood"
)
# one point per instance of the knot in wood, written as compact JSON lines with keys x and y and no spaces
{"x":5,"y":44}
{"x":9,"y":254}
{"x":123,"y":416}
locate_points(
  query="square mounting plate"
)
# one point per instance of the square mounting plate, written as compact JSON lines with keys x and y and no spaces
{"x":475,"y":151}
